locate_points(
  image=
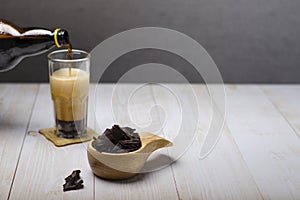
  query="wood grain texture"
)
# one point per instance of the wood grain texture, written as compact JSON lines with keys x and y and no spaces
{"x":43,"y":166}
{"x":132,"y":105}
{"x":286,"y":99}
{"x":221,"y":175}
{"x":267,"y":142}
{"x":16,"y":102}
{"x":257,"y":156}
{"x":120,"y":166}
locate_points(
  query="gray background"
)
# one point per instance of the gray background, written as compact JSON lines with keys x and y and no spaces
{"x":251,"y":41}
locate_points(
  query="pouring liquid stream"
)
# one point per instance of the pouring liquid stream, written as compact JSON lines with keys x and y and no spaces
{"x":69,"y":46}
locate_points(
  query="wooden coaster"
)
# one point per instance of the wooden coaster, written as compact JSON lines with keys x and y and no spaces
{"x":49,"y":133}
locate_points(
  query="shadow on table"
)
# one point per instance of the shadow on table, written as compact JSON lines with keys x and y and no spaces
{"x":158,"y":163}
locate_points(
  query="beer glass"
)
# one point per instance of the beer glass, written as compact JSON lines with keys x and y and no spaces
{"x":69,"y":84}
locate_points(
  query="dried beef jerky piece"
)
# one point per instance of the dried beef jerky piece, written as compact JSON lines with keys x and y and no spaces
{"x":73,"y":181}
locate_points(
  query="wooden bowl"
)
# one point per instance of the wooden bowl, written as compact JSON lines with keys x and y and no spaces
{"x":124,"y":165}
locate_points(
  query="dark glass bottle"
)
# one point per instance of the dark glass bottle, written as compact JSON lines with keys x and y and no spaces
{"x":17,"y":43}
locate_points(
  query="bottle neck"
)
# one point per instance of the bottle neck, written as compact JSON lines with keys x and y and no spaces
{"x":61,"y":37}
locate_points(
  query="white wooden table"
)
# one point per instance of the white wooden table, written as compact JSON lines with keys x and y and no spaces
{"x":257,"y":156}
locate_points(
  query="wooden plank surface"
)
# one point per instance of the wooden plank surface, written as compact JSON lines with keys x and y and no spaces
{"x":286,"y":99}
{"x":257,"y":156}
{"x":221,"y":175}
{"x":43,"y":166}
{"x":130,"y":105}
{"x":268,"y":144}
{"x":16,"y":102}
